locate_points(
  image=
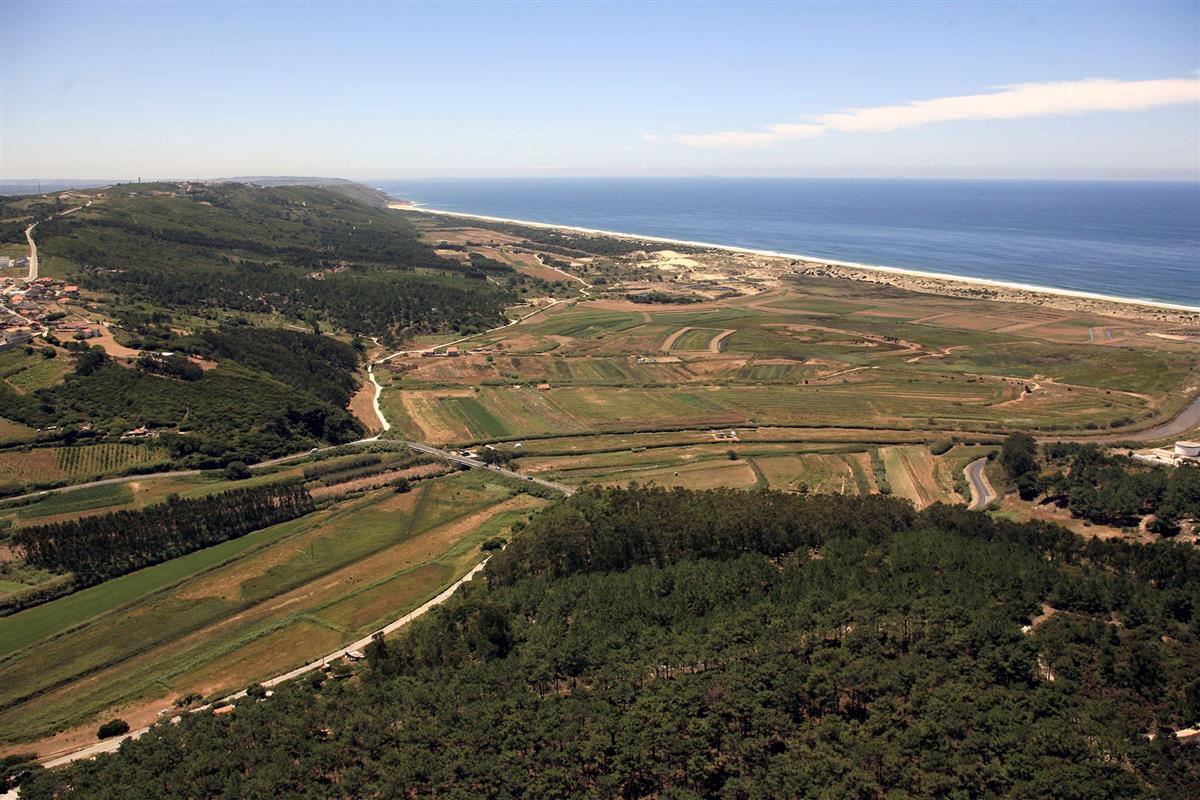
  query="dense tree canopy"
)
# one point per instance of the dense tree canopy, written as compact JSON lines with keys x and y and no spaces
{"x":652,"y":643}
{"x":105,"y":546}
{"x":290,"y":249}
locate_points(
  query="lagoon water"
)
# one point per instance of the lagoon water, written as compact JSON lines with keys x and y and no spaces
{"x":1123,"y":239}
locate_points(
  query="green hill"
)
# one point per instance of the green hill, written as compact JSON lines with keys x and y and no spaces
{"x":651,"y":643}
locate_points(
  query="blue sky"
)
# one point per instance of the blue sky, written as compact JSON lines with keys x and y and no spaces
{"x":362,"y":90}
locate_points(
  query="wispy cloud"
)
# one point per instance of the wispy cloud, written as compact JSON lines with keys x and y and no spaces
{"x":1019,"y":101}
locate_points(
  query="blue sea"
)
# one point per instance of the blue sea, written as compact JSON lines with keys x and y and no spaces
{"x":1123,"y":239}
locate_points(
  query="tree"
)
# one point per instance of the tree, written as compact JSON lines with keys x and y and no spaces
{"x":90,"y":360}
{"x":1018,"y":455}
{"x":236,"y":471}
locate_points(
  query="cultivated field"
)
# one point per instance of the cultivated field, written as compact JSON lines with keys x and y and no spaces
{"x":219,"y":618}
{"x":43,"y":465}
{"x":804,"y":356}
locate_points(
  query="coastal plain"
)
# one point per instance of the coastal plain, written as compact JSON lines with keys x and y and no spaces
{"x":609,"y":361}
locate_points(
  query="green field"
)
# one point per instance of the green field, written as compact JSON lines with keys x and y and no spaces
{"x":93,"y":497}
{"x":585,"y":324}
{"x":695,"y":339}
{"x":213,"y":620}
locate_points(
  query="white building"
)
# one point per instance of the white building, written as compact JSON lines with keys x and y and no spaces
{"x":1187,"y":449}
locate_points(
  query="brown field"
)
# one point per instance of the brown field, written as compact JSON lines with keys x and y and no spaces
{"x":809,"y":472}
{"x":524,"y":263}
{"x":14,"y":431}
{"x":970,"y":322}
{"x":911,"y":470}
{"x":709,"y":474}
{"x":363,"y":408}
{"x":465,"y":235}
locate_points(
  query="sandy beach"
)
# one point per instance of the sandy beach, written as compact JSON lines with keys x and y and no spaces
{"x":916,"y":280}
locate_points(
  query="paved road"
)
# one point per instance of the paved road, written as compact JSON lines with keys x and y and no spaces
{"x":474,"y":462}
{"x":1181,"y":423}
{"x":982,"y":493}
{"x":33,"y":262}
{"x":33,"y":256}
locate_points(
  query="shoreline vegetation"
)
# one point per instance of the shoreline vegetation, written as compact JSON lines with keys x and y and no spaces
{"x":911,"y":279}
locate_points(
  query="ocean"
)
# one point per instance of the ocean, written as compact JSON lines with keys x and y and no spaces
{"x":1123,"y":239}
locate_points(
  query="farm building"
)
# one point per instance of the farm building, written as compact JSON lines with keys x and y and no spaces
{"x":1184,"y":452}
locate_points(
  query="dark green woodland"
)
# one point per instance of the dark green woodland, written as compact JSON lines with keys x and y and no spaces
{"x":647,"y":643}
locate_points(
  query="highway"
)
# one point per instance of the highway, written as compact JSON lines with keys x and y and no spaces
{"x":982,"y":493}
{"x":474,"y":462}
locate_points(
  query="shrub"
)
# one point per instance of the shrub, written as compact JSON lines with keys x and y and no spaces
{"x":495,"y":543}
{"x":401,"y":485}
{"x":114,"y":727}
{"x":236,"y":471}
{"x":941,"y":446}
{"x":183,"y":701}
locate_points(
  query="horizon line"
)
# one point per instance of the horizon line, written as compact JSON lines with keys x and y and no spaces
{"x":543,"y":176}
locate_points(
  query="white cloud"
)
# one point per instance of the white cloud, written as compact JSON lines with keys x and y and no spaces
{"x":1018,"y":101}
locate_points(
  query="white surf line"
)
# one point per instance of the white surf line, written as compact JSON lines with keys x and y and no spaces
{"x":943,"y":276}
{"x":108,"y":745}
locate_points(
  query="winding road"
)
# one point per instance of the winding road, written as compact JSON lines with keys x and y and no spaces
{"x":982,"y":493}
{"x":33,"y":262}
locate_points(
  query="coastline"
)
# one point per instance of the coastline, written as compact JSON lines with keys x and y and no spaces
{"x":812,"y":261}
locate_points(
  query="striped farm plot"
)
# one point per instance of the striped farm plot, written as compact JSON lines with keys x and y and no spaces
{"x":101,"y":459}
{"x":833,"y":473}
{"x":45,"y":464}
{"x":911,"y":471}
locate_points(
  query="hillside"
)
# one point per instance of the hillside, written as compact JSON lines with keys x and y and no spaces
{"x":231,"y":278}
{"x":654,"y":643}
{"x":286,"y":249}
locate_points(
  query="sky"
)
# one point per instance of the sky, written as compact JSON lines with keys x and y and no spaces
{"x":99,"y":90}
